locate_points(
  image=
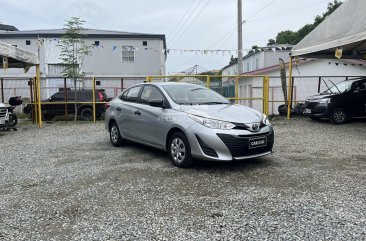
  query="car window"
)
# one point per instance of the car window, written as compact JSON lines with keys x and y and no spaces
{"x":131,"y":94}
{"x":151,"y":93}
{"x":60,"y":96}
{"x":361,"y":88}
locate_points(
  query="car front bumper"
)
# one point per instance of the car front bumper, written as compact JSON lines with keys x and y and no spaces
{"x":227,"y":145}
{"x":318,"y":110}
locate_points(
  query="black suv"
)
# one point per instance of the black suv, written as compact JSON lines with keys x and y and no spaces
{"x":339,"y":103}
{"x":85,"y":110}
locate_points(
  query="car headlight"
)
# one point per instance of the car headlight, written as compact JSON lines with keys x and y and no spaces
{"x":211,"y":123}
{"x":265,"y":120}
{"x":324,"y":100}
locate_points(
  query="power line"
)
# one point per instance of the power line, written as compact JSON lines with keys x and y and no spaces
{"x":181,"y":19}
{"x":288,"y":12}
{"x":185,"y":21}
{"x":260,"y":10}
{"x":190,"y":24}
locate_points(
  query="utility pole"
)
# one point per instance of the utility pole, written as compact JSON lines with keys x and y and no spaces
{"x":240,"y":38}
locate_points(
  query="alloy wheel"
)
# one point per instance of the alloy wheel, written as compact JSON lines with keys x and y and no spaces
{"x":114,"y":134}
{"x":178,"y":150}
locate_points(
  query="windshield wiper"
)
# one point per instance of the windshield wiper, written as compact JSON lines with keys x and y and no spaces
{"x":213,"y":103}
{"x":327,"y":86}
{"x":334,"y":85}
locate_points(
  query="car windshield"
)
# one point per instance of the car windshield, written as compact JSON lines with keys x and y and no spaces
{"x":194,"y":95}
{"x":340,"y":87}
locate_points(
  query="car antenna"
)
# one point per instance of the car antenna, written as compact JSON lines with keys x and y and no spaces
{"x":334,"y":85}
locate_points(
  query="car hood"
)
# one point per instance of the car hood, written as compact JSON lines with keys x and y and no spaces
{"x":318,"y":97}
{"x":229,"y":112}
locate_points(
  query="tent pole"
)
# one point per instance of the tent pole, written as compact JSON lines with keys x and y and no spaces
{"x":38,"y":73}
{"x":289,"y":100}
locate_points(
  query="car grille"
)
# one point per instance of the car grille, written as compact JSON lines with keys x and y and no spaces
{"x":310,"y":105}
{"x":3,"y":111}
{"x":205,"y":148}
{"x":239,"y":145}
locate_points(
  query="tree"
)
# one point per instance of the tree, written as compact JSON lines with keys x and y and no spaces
{"x":271,"y":42}
{"x":73,"y":52}
{"x":290,"y":37}
{"x":233,"y":60}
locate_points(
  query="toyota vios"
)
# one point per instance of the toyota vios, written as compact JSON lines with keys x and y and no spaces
{"x":188,"y":121}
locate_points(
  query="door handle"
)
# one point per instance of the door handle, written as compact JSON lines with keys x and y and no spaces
{"x":118,"y":108}
{"x":137,"y":113}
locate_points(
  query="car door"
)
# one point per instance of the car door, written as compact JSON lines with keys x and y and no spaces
{"x":56,"y":107}
{"x":150,"y":126}
{"x":359,"y":100}
{"x":126,"y":112}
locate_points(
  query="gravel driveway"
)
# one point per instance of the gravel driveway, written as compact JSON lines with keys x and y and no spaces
{"x":67,"y":182}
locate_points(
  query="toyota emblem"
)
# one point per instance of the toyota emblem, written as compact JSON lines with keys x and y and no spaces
{"x":255,"y":127}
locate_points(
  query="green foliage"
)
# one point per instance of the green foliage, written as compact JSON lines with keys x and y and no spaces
{"x":291,"y":37}
{"x":233,"y":60}
{"x":271,"y":42}
{"x":73,"y":48}
{"x":73,"y":51}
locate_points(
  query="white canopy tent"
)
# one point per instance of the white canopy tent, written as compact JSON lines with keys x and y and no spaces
{"x":345,"y":28}
{"x":343,"y":32}
{"x":13,"y":57}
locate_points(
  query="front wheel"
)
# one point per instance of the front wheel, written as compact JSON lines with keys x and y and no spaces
{"x":13,"y":120}
{"x":115,"y":135}
{"x":339,"y":116}
{"x":179,"y":150}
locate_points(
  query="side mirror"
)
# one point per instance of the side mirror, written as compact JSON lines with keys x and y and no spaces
{"x":157,"y":103}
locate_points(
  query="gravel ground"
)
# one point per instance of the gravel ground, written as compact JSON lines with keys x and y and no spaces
{"x":67,"y":182}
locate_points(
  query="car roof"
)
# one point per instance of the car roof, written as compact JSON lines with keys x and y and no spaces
{"x":171,"y":83}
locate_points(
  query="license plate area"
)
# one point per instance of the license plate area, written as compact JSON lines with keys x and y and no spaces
{"x":257,"y":142}
{"x":307,"y":111}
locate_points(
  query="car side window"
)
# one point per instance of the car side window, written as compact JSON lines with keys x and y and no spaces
{"x":60,"y":96}
{"x":131,"y":94}
{"x":151,"y":93}
{"x":361,"y":88}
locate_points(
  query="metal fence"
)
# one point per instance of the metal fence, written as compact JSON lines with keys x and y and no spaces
{"x":263,"y":93}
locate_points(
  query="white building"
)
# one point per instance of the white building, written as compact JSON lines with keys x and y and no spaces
{"x":131,"y":56}
{"x":308,"y":73}
{"x":259,"y":59}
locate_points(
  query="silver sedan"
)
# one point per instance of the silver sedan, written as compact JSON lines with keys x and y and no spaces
{"x":188,"y":121}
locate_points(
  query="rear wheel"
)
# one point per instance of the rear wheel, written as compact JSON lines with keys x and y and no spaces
{"x":179,"y":150}
{"x":86,"y":114}
{"x":115,"y":135}
{"x":339,"y":116}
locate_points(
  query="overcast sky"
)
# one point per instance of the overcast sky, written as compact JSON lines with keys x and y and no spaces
{"x":187,"y":24}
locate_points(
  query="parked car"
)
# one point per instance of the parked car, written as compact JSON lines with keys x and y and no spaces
{"x":339,"y":103}
{"x":85,"y":110}
{"x":188,"y":121}
{"x":4,"y":115}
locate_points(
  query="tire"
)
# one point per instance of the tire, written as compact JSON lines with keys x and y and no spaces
{"x":339,"y":116}
{"x":13,"y":120}
{"x":86,"y":114}
{"x":115,"y":135}
{"x":180,"y":150}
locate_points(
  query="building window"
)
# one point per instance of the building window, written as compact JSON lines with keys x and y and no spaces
{"x":128,"y":54}
{"x":27,"y":42}
{"x":144,"y":43}
{"x":15,"y":45}
{"x":248,"y":67}
{"x":256,"y":63}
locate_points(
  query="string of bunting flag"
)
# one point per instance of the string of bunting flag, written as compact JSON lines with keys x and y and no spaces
{"x":175,"y":50}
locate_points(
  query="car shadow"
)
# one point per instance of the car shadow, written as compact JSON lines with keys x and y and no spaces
{"x":201,"y":165}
